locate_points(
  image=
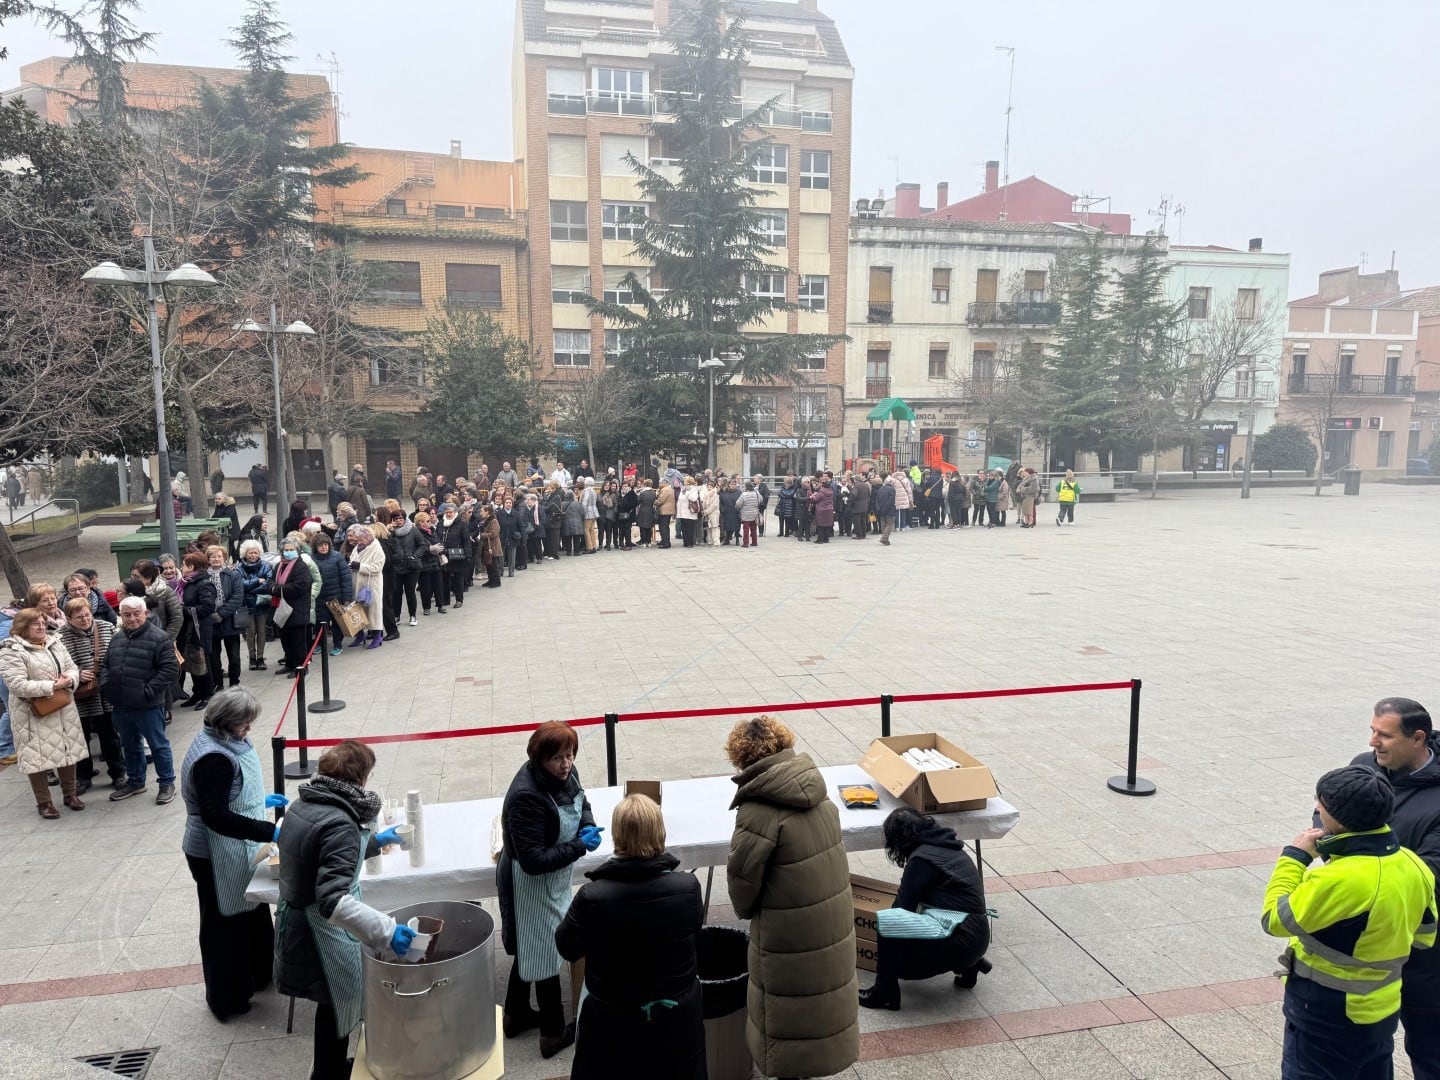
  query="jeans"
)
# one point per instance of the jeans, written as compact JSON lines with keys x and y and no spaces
{"x":1067,"y":513}
{"x":136,"y":727}
{"x":7,"y":737}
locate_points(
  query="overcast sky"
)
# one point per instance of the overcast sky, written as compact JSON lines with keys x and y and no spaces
{"x":1309,"y":124}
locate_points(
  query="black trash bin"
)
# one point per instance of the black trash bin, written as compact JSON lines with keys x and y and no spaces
{"x":724,"y":959}
{"x":1351,"y":476}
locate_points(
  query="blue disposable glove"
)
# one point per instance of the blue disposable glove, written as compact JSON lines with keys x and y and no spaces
{"x":277,"y":834}
{"x":400,"y":940}
{"x":386,"y":838}
{"x":590,"y":837}
{"x":272,"y":801}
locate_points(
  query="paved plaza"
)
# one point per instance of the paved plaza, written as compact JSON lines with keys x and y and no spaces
{"x":1128,"y":940}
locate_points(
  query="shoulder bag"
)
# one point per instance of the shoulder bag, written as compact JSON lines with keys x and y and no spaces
{"x":90,"y":689}
{"x":56,"y":699}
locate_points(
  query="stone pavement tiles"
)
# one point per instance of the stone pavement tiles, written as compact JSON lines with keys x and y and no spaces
{"x":1127,"y":938}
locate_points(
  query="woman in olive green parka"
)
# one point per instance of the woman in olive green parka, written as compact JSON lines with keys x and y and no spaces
{"x":788,"y":874}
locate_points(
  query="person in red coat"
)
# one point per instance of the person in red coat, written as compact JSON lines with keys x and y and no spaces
{"x":822,"y":505}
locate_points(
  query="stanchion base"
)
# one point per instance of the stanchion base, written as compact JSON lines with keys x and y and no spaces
{"x":1123,"y":786}
{"x":296,"y":771}
{"x":333,"y":705}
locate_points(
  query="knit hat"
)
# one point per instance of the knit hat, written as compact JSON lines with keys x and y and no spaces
{"x":1357,"y":796}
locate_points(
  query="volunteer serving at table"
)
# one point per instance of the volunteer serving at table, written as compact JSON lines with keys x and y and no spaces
{"x":548,"y":826}
{"x":224,"y":791}
{"x":321,"y":922}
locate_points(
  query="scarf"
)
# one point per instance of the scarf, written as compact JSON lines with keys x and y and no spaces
{"x":366,"y":804}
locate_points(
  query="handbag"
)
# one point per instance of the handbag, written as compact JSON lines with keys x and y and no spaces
{"x":241,"y":618}
{"x":56,"y":699}
{"x":455,"y":554}
{"x":90,"y":689}
{"x":283,"y":611}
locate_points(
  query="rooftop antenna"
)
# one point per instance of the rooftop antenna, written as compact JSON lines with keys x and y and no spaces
{"x":1009,"y":108}
{"x":1364,"y":260}
{"x":1161,"y":214}
{"x":896,"y":159}
{"x":1392,"y":258}
{"x":330,"y":67}
{"x":1179,"y":223}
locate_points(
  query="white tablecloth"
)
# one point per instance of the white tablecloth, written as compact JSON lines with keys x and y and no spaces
{"x":698,"y":824}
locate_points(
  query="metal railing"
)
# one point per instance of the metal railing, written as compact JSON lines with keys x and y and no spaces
{"x":1022,"y":313}
{"x":880,"y":311}
{"x":875,"y":389}
{"x":662,"y":104}
{"x":26,"y":522}
{"x":1355,"y":385}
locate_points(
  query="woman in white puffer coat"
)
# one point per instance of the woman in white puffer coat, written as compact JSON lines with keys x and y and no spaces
{"x":35,"y":664}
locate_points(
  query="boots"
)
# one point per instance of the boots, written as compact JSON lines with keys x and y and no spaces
{"x":376,"y":639}
{"x":359,"y":640}
{"x":967,"y":979}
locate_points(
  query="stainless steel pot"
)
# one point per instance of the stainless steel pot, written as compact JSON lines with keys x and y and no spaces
{"x":435,"y":1020}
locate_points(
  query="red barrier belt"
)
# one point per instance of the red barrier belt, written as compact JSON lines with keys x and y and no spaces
{"x":429,"y":736}
{"x":1021,"y":691}
{"x":285,"y":712}
{"x":794,"y":706}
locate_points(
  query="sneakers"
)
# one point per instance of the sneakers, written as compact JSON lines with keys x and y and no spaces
{"x":166,"y":795}
{"x":127,"y":790}
{"x":412,"y":619}
{"x":9,"y":759}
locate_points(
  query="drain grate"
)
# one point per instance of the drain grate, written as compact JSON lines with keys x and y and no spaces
{"x":132,"y":1063}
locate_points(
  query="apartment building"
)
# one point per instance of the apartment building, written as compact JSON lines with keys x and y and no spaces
{"x":1350,"y":361}
{"x":445,"y":230}
{"x":589,"y":90}
{"x":1233,"y":299}
{"x":938,"y":310}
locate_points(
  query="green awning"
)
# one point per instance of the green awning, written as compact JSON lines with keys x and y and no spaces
{"x":892,"y":408}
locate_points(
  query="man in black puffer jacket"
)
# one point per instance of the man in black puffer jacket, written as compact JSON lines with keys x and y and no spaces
{"x":136,"y":676}
{"x":1404,"y":747}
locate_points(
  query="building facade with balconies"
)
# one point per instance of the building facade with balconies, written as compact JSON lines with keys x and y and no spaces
{"x":589,"y":92}
{"x":938,"y":310}
{"x":1349,"y":369}
{"x":1235,"y":307}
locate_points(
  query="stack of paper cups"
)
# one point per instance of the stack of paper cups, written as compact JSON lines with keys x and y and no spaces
{"x":415,"y":815}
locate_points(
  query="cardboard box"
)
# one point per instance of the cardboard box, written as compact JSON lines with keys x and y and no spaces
{"x":644,"y":787}
{"x":866,"y":954}
{"x":965,"y":788}
{"x":870,"y":896}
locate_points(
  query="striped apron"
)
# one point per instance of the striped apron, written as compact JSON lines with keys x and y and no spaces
{"x":340,"y":956}
{"x":541,"y":903}
{"x":234,"y":860}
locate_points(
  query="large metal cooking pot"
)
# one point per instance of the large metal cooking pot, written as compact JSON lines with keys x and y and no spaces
{"x":434,"y":1020}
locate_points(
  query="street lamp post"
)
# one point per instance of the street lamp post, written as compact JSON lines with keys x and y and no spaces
{"x":272,"y":331}
{"x":153,"y":281}
{"x":1249,"y":442}
{"x":709,"y":367}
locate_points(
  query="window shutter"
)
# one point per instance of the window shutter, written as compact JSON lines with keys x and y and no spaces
{"x":569,"y":278}
{"x":1034,"y":280}
{"x":940,"y":277}
{"x":614,"y":274}
{"x":567,"y":155}
{"x":567,"y":81}
{"x":613,"y":149}
{"x":814,"y":99}
{"x":880,"y":284}
{"x":814,"y":232}
{"x":759,"y":91}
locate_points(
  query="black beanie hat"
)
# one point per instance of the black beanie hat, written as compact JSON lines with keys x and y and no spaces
{"x":1357,"y":796}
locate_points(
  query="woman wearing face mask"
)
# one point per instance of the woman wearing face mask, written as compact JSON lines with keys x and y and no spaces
{"x":292,"y":587}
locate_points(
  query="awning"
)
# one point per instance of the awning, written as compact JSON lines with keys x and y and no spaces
{"x":892,"y":408}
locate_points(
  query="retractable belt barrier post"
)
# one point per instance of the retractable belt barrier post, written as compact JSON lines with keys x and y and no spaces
{"x":302,"y":769}
{"x":277,"y":759}
{"x":612,"y":769}
{"x":885,"y":702}
{"x":1130,"y":784}
{"x":327,"y":703}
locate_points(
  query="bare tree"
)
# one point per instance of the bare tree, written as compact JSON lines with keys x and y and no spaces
{"x":599,"y":405}
{"x":1312,"y":402}
{"x":1013,"y":391}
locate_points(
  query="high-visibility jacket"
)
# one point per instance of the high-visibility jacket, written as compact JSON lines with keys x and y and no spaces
{"x":1069,"y":491}
{"x":1352,"y":921}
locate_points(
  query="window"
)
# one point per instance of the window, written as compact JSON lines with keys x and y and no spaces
{"x":619,"y":82}
{"x":567,"y":221}
{"x":618,"y":342}
{"x":1035,"y":286}
{"x":770,"y":165}
{"x":394,"y":366}
{"x":1383,"y":448}
{"x":1245,"y":377}
{"x":490,"y":213}
{"x":615,"y":291}
{"x":982,"y":367}
{"x":772,"y":226}
{"x":810,"y":407}
{"x":567,"y":155}
{"x":449,"y":213}
{"x":940,"y":285}
{"x":565,"y":91}
{"x":397,"y":283}
{"x":816,"y":104}
{"x":1297,"y":363}
{"x":395,"y":207}
{"x":763,"y":413}
{"x":814,"y":291}
{"x":987,"y":283}
{"x":616,"y":150}
{"x":815,"y":169}
{"x":568,"y":284}
{"x":1199,"y":302}
{"x":813,"y":362}
{"x":767,"y":286}
{"x":815,"y":232}
{"x":622,"y":221}
{"x":572,"y":348}
{"x":882,"y":308}
{"x":939,"y":361}
{"x":475,"y":285}
{"x":877,"y":373}
{"x":1246,"y":301}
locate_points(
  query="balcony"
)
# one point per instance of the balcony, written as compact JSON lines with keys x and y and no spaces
{"x":1024,"y":313}
{"x":1300,"y":384}
{"x":877,"y":389}
{"x":781,"y":114}
{"x":881,"y":311}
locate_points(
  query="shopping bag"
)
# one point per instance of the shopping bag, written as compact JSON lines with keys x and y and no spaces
{"x":351,"y":617}
{"x":283,"y":613}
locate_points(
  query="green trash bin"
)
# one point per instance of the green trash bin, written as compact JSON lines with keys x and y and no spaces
{"x":144,"y":543}
{"x":1351,"y":476}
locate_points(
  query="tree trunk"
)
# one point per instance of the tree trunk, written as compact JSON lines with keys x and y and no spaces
{"x":137,"y":478}
{"x":14,"y":572}
{"x":590,"y":446}
{"x":194,"y":451}
{"x":327,"y":457}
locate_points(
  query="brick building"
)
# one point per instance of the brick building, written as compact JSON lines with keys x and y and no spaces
{"x":589,"y":81}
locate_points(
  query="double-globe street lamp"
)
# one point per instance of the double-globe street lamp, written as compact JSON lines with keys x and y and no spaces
{"x":710,"y":366}
{"x":154,"y":281}
{"x":273,"y":330}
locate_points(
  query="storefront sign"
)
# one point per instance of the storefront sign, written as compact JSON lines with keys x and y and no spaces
{"x":1344,"y":423}
{"x":933,"y":418}
{"x":1220,"y":427}
{"x":813,"y":442}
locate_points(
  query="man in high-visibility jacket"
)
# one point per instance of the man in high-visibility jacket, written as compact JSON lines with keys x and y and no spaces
{"x":1352,"y":921}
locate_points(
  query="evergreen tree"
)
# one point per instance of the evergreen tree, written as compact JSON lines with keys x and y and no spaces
{"x":704,"y":244}
{"x":1078,"y":365}
{"x":102,"y":50}
{"x":8,"y":10}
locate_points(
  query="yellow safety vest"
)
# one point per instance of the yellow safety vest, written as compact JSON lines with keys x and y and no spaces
{"x":1353,"y":919}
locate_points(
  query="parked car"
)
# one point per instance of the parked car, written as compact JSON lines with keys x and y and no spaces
{"x":1418,"y":466}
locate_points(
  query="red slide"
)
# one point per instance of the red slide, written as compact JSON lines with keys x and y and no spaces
{"x":935,"y":455}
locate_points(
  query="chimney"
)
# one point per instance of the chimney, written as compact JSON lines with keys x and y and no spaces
{"x":992,"y":175}
{"x":907,"y":200}
{"x":455,"y":148}
{"x":942,"y":195}
{"x":1257,"y":243}
{"x":662,"y":14}
{"x":812,"y":6}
